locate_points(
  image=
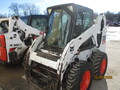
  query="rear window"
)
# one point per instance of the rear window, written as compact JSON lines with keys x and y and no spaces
{"x":39,"y":23}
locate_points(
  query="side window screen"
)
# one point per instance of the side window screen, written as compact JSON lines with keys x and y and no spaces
{"x":84,"y":20}
{"x":79,"y":20}
{"x":87,"y":20}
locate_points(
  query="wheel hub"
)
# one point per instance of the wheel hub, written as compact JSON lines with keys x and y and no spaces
{"x":85,"y":80}
{"x":103,"y":66}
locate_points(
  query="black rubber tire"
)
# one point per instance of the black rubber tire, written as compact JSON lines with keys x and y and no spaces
{"x":96,"y":59}
{"x":25,"y":54}
{"x":73,"y":77}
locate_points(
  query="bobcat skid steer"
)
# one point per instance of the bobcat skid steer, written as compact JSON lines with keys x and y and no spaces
{"x":15,"y":38}
{"x":71,"y":53}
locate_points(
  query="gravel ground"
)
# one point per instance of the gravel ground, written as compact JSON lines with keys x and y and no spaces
{"x":11,"y":75}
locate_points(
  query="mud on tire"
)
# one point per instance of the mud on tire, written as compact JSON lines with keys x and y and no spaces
{"x":74,"y":77}
{"x":99,"y":64}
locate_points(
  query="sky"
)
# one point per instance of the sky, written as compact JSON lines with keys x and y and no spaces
{"x":99,"y":6}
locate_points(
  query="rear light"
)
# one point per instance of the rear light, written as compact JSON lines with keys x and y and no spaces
{"x":2,"y":40}
{"x":41,"y":33}
{"x":104,"y":40}
{"x":35,"y":37}
{"x":3,"y":52}
{"x":11,"y":49}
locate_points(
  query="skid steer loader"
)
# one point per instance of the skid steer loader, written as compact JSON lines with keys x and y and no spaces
{"x":71,"y":53}
{"x":15,"y":39}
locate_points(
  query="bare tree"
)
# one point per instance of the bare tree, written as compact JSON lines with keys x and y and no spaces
{"x":29,"y":9}
{"x":15,"y":9}
{"x":23,"y":9}
{"x":3,"y":15}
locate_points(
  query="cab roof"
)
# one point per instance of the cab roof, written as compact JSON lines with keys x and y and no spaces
{"x":76,"y":7}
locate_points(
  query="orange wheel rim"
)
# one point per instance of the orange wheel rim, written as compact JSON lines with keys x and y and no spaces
{"x":85,"y":80}
{"x":103,"y":66}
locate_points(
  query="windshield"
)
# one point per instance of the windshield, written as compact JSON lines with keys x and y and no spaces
{"x":39,"y":23}
{"x":59,"y":23}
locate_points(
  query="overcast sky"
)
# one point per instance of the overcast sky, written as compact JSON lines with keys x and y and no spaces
{"x":99,"y":6}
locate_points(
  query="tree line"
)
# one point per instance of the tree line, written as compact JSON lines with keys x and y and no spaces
{"x":114,"y":17}
{"x":25,"y":9}
{"x":31,"y":9}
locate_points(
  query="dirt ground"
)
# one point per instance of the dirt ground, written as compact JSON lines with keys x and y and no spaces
{"x":11,"y":75}
{"x":11,"y":78}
